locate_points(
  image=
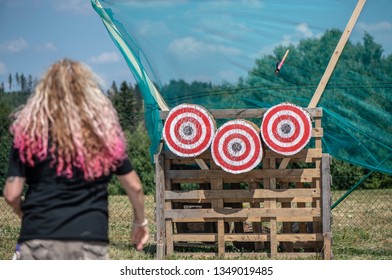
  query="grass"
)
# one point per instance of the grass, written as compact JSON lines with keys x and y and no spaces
{"x":361,"y":228}
{"x":362,"y":225}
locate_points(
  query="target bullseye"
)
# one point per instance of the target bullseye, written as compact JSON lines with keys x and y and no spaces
{"x":286,"y":128}
{"x":236,"y":147}
{"x":189,"y":130}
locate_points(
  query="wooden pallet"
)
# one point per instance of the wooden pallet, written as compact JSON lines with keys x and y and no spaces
{"x":280,"y":210}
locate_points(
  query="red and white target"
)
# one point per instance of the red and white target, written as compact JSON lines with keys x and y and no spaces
{"x":189,"y":130}
{"x":236,"y":147}
{"x":286,"y":128}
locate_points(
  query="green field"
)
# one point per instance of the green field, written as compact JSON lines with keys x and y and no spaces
{"x":361,"y":228}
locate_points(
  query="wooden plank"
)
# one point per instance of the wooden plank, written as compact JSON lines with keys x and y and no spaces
{"x":280,"y":256}
{"x":327,"y":248}
{"x":302,"y":226}
{"x":326,"y":193}
{"x":244,"y":113}
{"x":169,"y":237}
{"x":286,"y":226}
{"x":160,"y":206}
{"x":299,"y":237}
{"x":272,"y":204}
{"x":169,"y":225}
{"x":251,"y":194}
{"x":285,"y":174}
{"x":170,"y":155}
{"x":201,"y":164}
{"x":307,"y":154}
{"x":221,"y":238}
{"x":244,"y":180}
{"x":256,"y":226}
{"x":336,"y":54}
{"x":200,"y":237}
{"x":216,"y":188}
{"x":247,"y":219}
{"x":288,"y":237}
{"x":242,"y":213}
{"x":247,"y":237}
{"x":289,"y":200}
{"x":318,"y":132}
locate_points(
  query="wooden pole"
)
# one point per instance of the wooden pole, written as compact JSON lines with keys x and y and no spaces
{"x":336,"y":54}
{"x":160,"y":206}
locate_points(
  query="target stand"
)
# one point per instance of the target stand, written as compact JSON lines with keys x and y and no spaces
{"x":266,"y":209}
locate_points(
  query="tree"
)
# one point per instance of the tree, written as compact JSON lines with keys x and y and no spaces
{"x":10,"y":81}
{"x":17,"y":79}
{"x":138,"y":99}
{"x":112,"y":91}
{"x":23,"y":83}
{"x":30,"y":84}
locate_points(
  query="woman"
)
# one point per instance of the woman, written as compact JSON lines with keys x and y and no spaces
{"x":67,"y":143}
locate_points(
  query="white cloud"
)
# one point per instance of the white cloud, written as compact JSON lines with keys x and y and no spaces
{"x":14,"y":46}
{"x":151,"y":3}
{"x":189,"y":46}
{"x":106,"y":57}
{"x":3,"y":69}
{"x":304,"y":30}
{"x":18,"y":3}
{"x":228,"y":3}
{"x":375,"y":27}
{"x":74,"y":6}
{"x":46,"y":47}
{"x":152,"y":28}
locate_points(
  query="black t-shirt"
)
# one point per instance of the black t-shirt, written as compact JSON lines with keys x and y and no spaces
{"x":61,"y":208}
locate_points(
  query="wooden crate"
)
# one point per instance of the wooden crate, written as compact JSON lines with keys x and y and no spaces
{"x":279,"y":210}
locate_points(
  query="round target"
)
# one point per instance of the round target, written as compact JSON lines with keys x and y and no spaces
{"x":236,"y":147}
{"x":286,"y":128}
{"x":188,"y":130}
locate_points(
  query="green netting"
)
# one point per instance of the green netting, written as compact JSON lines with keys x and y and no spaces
{"x":223,"y":54}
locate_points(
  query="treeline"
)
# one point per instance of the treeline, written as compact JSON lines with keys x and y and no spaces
{"x":18,"y":83}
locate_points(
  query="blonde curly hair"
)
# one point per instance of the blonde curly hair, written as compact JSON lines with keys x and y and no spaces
{"x":69,"y":116}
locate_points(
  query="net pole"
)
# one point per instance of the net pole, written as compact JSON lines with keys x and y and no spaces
{"x":336,"y":54}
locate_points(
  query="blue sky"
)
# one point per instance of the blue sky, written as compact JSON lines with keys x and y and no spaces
{"x":36,"y":33}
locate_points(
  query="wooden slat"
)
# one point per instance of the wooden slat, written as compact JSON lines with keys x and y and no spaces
{"x":200,"y":195}
{"x":246,"y":219}
{"x":279,"y":256}
{"x":286,"y":174}
{"x":318,"y":132}
{"x":221,"y":237}
{"x":169,"y":237}
{"x":291,"y":237}
{"x":307,"y":154}
{"x":300,"y":237}
{"x":160,"y":207}
{"x":336,"y":54}
{"x":289,"y":200}
{"x":240,"y":213}
{"x":244,"y":113}
{"x":200,"y":237}
{"x":245,"y":237}
{"x":326,"y":194}
{"x":327,"y":250}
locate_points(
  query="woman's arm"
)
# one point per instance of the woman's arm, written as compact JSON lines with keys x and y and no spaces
{"x":13,"y":193}
{"x":134,"y":189}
